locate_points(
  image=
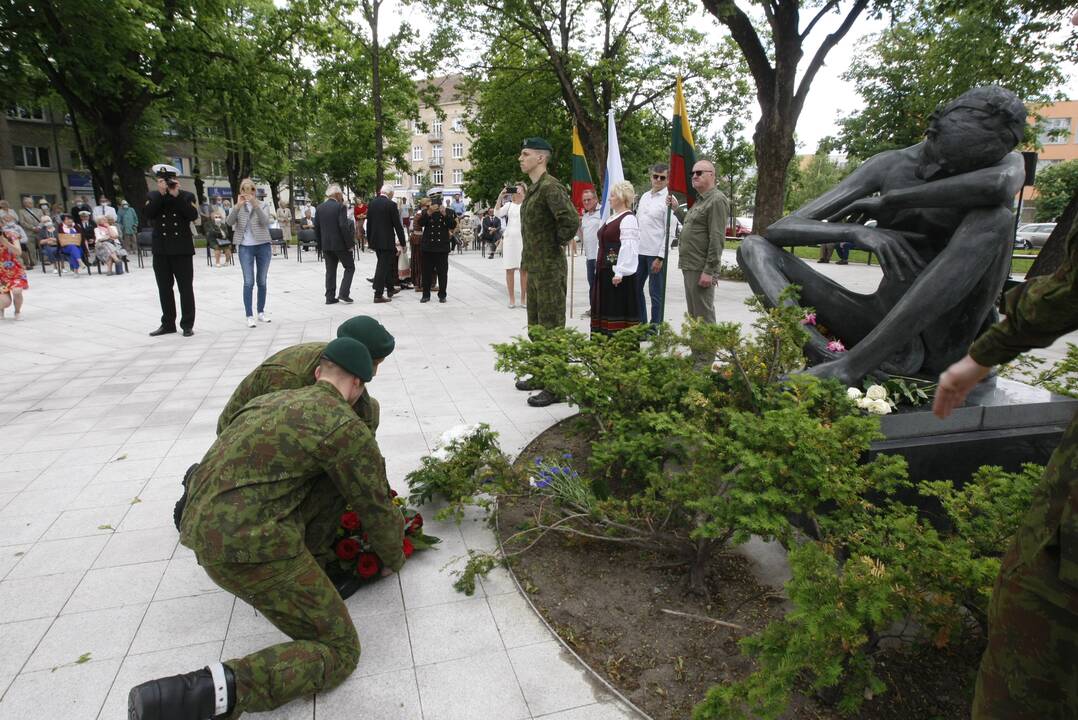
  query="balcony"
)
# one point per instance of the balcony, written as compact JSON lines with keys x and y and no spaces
{"x":435,"y":137}
{"x":436,"y":162}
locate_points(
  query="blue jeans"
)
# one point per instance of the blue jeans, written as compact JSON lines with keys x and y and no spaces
{"x":251,"y":255}
{"x":655,"y":289}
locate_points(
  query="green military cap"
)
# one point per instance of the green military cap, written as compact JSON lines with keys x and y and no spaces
{"x":537,"y":143}
{"x":370,"y":332}
{"x":352,"y":355}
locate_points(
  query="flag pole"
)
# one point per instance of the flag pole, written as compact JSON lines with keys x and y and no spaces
{"x":572,"y":275}
{"x":666,"y":258}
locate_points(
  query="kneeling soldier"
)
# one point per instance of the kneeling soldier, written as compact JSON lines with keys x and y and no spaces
{"x":248,"y":506}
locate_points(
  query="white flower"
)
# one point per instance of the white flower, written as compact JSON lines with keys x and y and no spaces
{"x":863,"y":403}
{"x":716,"y":366}
{"x":853,"y":393}
{"x":456,"y":433}
{"x":440,"y":454}
{"x":876,"y":392}
{"x":880,"y":407}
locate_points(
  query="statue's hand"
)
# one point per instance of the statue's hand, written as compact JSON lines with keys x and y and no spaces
{"x":838,"y":369}
{"x":865,"y":207}
{"x":897,"y":257}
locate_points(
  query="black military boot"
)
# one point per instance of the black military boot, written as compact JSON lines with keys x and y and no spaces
{"x":527,"y":384}
{"x":193,"y":696}
{"x":177,"y":512}
{"x":543,"y":398}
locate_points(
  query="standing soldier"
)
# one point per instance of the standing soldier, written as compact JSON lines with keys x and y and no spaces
{"x":246,"y":521}
{"x":548,"y":221}
{"x":1030,"y":667}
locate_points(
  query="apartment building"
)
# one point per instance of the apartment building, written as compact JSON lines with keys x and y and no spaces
{"x":1058,"y":135}
{"x":439,"y":147}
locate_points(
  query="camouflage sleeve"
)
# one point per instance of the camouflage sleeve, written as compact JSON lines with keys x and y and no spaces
{"x":369,"y":410}
{"x":351,"y":458}
{"x":566,"y":219}
{"x":260,"y":381}
{"x":1038,"y":312}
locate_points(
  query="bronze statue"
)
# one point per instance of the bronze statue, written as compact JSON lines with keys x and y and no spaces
{"x":943,"y":238}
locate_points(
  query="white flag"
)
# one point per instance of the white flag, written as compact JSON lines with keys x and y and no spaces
{"x":613,"y":172}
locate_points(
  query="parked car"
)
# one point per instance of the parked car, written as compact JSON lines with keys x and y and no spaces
{"x":1033,"y":235}
{"x":739,"y":227}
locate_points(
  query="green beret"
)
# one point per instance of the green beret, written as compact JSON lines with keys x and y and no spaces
{"x":370,"y":332}
{"x":537,"y":143}
{"x":352,"y":356}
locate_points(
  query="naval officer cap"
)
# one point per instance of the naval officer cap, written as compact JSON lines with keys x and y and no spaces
{"x":371,"y":333}
{"x":352,"y":356}
{"x":536,"y":143}
{"x":165,"y":171}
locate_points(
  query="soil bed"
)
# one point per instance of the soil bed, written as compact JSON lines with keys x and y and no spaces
{"x":607,"y":603}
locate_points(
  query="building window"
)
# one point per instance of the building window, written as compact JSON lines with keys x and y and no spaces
{"x":399,"y":180}
{"x":417,"y":152}
{"x":31,"y":156}
{"x":458,"y":124}
{"x":417,"y":179}
{"x":458,"y":177}
{"x":436,"y":128}
{"x":1055,"y":131}
{"x":458,"y":151}
{"x":177,"y":162}
{"x":416,"y":129}
{"x":437,"y":177}
{"x":21,"y":113}
{"x":436,"y":153}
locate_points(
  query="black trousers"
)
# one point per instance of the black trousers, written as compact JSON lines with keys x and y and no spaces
{"x":435,"y":262}
{"x":178,"y":268}
{"x":385,"y":273}
{"x":344,"y":257}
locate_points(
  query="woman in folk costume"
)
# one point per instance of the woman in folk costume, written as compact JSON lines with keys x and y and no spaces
{"x":613,"y":299}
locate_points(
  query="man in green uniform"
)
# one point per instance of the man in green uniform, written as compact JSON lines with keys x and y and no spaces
{"x":700,"y":246}
{"x":294,"y":367}
{"x":548,"y":221}
{"x":246,"y":522}
{"x":1030,"y":668}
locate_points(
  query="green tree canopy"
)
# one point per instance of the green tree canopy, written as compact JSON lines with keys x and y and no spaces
{"x":1056,"y":186}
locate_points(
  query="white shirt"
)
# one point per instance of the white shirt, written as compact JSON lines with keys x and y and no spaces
{"x":651,"y":214}
{"x":104,"y":211}
{"x":630,"y":235}
{"x":590,"y":222}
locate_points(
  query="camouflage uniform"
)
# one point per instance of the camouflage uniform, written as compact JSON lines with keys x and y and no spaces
{"x":289,"y":369}
{"x":548,"y":221}
{"x":1030,"y":668}
{"x":248,"y":512}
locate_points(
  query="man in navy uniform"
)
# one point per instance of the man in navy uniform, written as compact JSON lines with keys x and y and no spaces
{"x":172,"y":210}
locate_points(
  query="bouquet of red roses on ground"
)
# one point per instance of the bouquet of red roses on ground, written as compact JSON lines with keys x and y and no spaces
{"x":353,"y":549}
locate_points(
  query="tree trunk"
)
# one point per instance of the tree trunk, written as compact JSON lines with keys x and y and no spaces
{"x":774,"y":149}
{"x":698,"y":562}
{"x":275,"y":192}
{"x":376,"y":96}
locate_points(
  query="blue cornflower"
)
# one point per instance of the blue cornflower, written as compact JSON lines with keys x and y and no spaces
{"x":538,"y":462}
{"x":567,"y":456}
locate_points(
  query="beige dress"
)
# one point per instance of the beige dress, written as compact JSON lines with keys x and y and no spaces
{"x":284,"y":219}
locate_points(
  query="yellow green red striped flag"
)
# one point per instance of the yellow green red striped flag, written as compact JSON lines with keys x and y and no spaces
{"x":682,"y":150}
{"x":581,"y":176}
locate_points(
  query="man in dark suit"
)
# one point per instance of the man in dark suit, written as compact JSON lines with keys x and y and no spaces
{"x":383,"y":222}
{"x":172,"y":210}
{"x":336,"y":236}
{"x":437,"y":223}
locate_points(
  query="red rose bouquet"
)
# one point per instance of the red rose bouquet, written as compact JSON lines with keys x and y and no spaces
{"x":354,"y":553}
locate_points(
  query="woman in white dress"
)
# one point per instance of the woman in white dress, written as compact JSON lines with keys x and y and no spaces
{"x":508,"y":209}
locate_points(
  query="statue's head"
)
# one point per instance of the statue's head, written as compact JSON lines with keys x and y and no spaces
{"x":974,"y":131}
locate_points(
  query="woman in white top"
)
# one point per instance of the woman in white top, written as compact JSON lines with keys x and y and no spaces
{"x":613,"y":298}
{"x":508,"y":209}
{"x":252,"y":223}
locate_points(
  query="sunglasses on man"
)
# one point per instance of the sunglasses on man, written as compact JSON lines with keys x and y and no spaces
{"x":658,"y":177}
{"x":698,"y":173}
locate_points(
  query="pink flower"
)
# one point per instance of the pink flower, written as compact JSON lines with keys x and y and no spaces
{"x":836,"y":346}
{"x":809,"y":319}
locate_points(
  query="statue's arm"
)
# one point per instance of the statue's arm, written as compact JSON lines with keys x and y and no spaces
{"x":987,"y":187}
{"x":806,"y":226}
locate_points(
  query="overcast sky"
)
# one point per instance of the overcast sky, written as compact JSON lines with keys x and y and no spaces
{"x":829,"y":97}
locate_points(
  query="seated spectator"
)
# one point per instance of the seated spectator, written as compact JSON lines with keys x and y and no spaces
{"x":217,"y":237}
{"x":46,"y":240}
{"x":104,"y":250}
{"x":116,"y":238}
{"x":70,"y":239}
{"x":12,"y":275}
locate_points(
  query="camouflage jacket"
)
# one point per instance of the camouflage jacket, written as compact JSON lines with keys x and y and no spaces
{"x":244,"y":500}
{"x":290,"y":369}
{"x":548,"y":221}
{"x":1038,"y":312}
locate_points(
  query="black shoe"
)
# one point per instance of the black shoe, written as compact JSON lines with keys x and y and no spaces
{"x":370,"y":280}
{"x":177,"y":512}
{"x":543,"y":398}
{"x":163,"y":330}
{"x":344,"y":299}
{"x":346,"y":584}
{"x":332,"y":301}
{"x":188,"y":332}
{"x":191,"y":696}
{"x":843,"y":262}
{"x":391,"y":293}
{"x":527,"y":384}
{"x":441,"y":298}
{"x":425,"y":298}
{"x":822,"y":262}
{"x":382,"y":300}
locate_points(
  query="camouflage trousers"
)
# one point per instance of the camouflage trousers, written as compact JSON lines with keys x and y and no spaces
{"x":546,"y":294}
{"x":297,"y":597}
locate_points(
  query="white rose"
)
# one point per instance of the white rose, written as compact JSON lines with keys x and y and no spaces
{"x":880,"y":407}
{"x":853,"y":393}
{"x":864,"y":403}
{"x":876,"y":392}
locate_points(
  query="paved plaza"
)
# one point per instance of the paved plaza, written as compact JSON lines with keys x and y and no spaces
{"x":100,"y":421}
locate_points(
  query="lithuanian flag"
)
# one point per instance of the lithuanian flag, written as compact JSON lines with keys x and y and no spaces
{"x":682,"y":150}
{"x":581,"y":176}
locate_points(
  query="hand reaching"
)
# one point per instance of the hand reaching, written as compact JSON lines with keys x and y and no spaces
{"x":955,"y":384}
